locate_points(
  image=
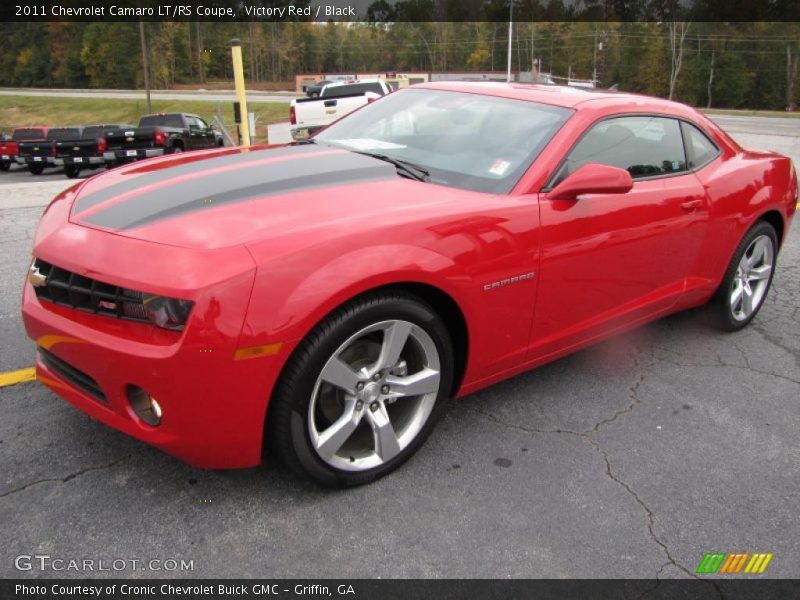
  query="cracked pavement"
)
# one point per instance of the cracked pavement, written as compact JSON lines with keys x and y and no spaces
{"x":629,"y":459}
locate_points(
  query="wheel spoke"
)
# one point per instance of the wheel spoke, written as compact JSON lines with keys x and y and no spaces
{"x":337,"y":434}
{"x":394,"y":340}
{"x":759,"y":273}
{"x":339,"y":374}
{"x":747,"y":301}
{"x":736,"y":295}
{"x":386,"y":444}
{"x":760,"y":251}
{"x":425,"y":381}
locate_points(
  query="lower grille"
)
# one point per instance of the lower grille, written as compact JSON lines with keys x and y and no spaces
{"x":72,"y":375}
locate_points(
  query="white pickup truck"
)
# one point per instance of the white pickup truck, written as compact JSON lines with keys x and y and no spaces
{"x":307,"y":115}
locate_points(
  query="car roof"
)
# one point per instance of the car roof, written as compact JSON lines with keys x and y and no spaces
{"x":562,"y":95}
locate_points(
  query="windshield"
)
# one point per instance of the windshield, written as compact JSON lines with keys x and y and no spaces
{"x":352,"y":89}
{"x":63,"y":133}
{"x":469,"y":141}
{"x":28,"y":134}
{"x":165,"y":120}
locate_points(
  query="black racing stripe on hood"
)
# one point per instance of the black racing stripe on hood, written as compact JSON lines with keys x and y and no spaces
{"x":140,"y":178}
{"x":238,"y":186}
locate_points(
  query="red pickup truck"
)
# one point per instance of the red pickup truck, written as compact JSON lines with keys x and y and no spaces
{"x":9,"y":150}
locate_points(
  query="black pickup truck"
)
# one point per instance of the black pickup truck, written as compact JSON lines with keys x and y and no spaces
{"x":160,"y":134}
{"x":40,"y":155}
{"x":86,"y":151}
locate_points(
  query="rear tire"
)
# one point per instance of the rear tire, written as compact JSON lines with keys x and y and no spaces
{"x":5,"y":166}
{"x":747,"y":279}
{"x":36,"y":169}
{"x":71,"y":171}
{"x":363,"y":391}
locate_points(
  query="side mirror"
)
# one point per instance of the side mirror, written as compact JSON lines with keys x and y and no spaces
{"x":593,"y":178}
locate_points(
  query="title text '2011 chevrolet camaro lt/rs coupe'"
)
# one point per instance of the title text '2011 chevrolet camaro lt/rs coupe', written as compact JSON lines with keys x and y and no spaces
{"x":326,"y":298}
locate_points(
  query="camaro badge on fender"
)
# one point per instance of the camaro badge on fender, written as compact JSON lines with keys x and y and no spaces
{"x":504,"y":282}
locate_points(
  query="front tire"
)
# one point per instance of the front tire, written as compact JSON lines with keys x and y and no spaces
{"x":747,"y":279}
{"x":363,"y":391}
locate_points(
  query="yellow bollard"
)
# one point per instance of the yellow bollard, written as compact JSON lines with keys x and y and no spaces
{"x":238,"y":80}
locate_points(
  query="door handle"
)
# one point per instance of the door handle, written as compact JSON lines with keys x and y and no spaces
{"x":691,"y":205}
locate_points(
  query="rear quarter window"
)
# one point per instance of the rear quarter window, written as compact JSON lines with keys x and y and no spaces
{"x":700,"y":149}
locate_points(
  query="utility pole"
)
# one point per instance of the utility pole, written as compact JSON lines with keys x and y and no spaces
{"x":241,"y":97}
{"x":510,"y":30}
{"x":145,"y":66}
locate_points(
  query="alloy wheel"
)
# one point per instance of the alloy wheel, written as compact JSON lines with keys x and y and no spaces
{"x":374,"y":395}
{"x":752,"y":278}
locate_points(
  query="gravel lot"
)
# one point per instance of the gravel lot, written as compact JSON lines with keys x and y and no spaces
{"x":629,"y":459}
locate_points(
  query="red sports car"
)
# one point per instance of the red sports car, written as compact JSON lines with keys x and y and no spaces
{"x":326,"y":298}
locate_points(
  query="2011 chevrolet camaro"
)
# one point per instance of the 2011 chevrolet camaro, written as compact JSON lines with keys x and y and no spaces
{"x":326,"y":298}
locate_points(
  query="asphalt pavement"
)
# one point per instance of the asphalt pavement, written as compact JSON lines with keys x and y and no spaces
{"x":629,"y":459}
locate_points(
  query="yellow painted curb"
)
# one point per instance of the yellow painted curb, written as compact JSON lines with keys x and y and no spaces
{"x":15,"y":377}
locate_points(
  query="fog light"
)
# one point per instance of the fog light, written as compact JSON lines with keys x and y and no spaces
{"x":144,"y":405}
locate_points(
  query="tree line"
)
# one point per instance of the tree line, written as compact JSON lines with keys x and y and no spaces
{"x":708,"y":64}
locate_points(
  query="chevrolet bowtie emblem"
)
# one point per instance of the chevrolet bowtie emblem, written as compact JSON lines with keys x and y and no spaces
{"x":129,"y":139}
{"x":36,"y":278}
{"x":76,"y":148}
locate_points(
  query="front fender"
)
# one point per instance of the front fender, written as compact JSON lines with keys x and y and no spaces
{"x":290,"y":299}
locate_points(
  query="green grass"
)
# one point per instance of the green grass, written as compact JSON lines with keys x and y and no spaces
{"x":17,"y":111}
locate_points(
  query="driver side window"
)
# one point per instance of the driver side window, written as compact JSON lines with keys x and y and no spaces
{"x":645,"y":146}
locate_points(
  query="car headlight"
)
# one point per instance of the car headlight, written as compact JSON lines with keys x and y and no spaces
{"x":169,"y":313}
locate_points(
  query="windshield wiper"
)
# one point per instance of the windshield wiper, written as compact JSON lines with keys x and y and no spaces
{"x":405,"y":168}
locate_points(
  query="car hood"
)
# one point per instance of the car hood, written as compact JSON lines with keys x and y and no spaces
{"x":235,"y":196}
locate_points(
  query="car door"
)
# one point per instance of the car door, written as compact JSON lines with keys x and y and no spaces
{"x":196,"y":138}
{"x":610,"y":260}
{"x":207,"y":134}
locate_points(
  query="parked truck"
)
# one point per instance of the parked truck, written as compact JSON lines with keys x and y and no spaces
{"x":86,"y":151}
{"x":9,"y":145}
{"x":308,"y":115}
{"x":39,"y":155}
{"x":163,"y":133}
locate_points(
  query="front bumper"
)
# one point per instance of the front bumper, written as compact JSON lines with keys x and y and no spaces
{"x":133,"y":154}
{"x":213,"y":396}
